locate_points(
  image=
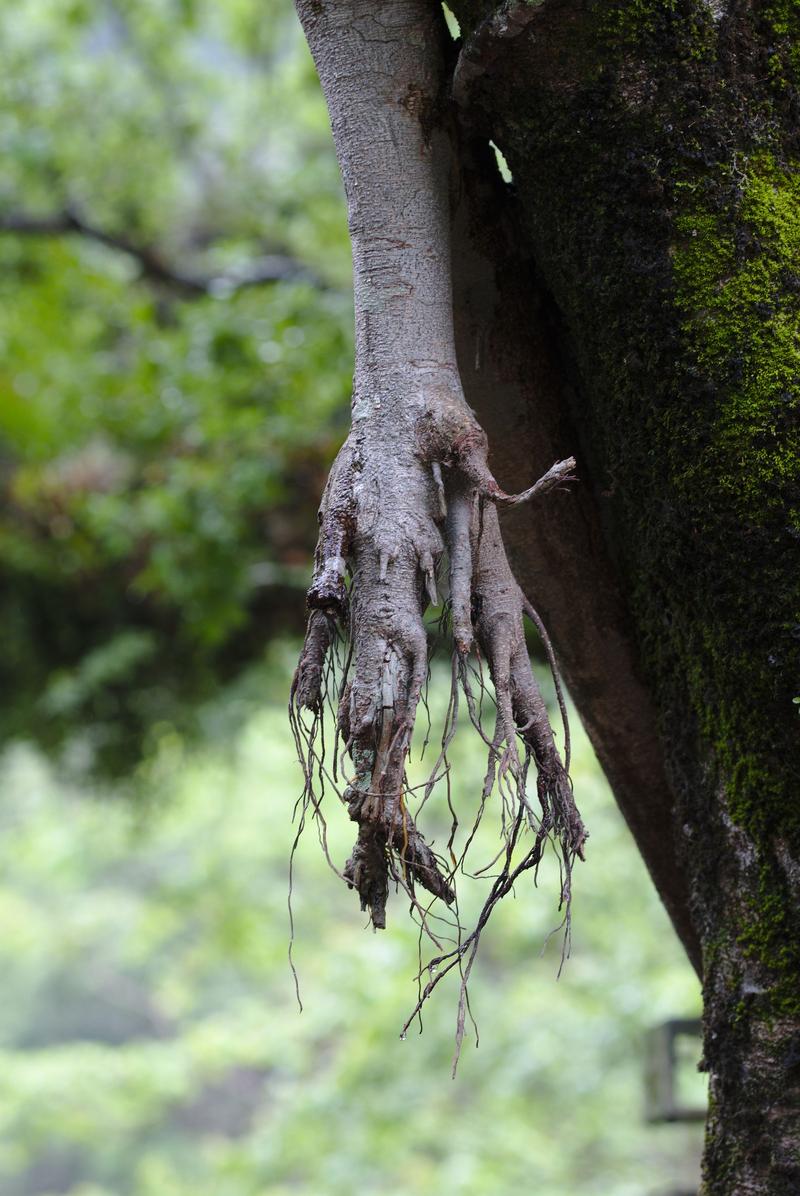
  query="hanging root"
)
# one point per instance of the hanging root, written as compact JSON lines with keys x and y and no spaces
{"x":499,"y":604}
{"x":307,"y":684}
{"x":386,"y":518}
{"x":374,"y":522}
{"x":367,"y":870}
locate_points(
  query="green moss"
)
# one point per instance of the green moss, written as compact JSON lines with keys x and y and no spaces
{"x":737,"y":273}
{"x":782,"y":17}
{"x":627,"y":22}
{"x":666,"y":176}
{"x":728,"y":299}
{"x":768,"y":936}
{"x":638,"y":25}
{"x":736,"y":265}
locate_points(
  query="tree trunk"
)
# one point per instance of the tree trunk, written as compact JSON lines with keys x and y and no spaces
{"x":636,"y":293}
{"x":654,"y":151}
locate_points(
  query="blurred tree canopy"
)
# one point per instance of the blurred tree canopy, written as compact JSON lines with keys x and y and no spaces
{"x":176,"y":332}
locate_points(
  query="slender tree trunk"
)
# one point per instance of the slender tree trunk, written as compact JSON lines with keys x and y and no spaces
{"x":412,"y":476}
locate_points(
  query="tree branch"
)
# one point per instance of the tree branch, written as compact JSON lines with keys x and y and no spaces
{"x":155,"y":268}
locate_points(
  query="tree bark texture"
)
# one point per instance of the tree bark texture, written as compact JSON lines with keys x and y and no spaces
{"x":654,"y":150}
{"x":636,"y":295}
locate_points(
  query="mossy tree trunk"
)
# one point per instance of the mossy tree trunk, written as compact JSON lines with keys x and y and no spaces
{"x":654,"y":148}
{"x":635,"y":295}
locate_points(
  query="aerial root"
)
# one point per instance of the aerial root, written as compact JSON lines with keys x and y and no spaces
{"x":387,"y":527}
{"x":460,"y":516}
{"x":367,"y":870}
{"x":462,"y":956}
{"x":388,"y":838}
{"x":456,"y":440}
{"x":307,"y":683}
{"x":558,"y":477}
{"x":555,"y":789}
{"x":468,"y":452}
{"x":412,"y":480}
{"x":328,"y":591}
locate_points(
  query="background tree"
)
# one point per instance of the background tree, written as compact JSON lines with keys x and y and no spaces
{"x":169,"y":294}
{"x":649,"y":253}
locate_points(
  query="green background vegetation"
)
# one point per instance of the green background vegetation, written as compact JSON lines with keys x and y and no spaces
{"x":161,"y":457}
{"x":152,"y":1044}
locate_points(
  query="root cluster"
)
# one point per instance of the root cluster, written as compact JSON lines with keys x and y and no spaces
{"x":397,"y":507}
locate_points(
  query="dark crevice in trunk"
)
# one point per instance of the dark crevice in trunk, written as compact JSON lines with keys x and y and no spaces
{"x":522,"y":385}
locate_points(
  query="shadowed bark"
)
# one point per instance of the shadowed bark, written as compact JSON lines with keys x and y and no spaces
{"x":519,"y":388}
{"x":654,"y":153}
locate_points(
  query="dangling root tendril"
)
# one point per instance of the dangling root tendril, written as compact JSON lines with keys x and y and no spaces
{"x":373,"y":579}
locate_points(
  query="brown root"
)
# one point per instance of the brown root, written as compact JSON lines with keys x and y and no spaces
{"x":307,"y":684}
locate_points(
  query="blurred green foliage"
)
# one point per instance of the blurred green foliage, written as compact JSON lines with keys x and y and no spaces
{"x":161,"y":453}
{"x":151,"y":1045}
